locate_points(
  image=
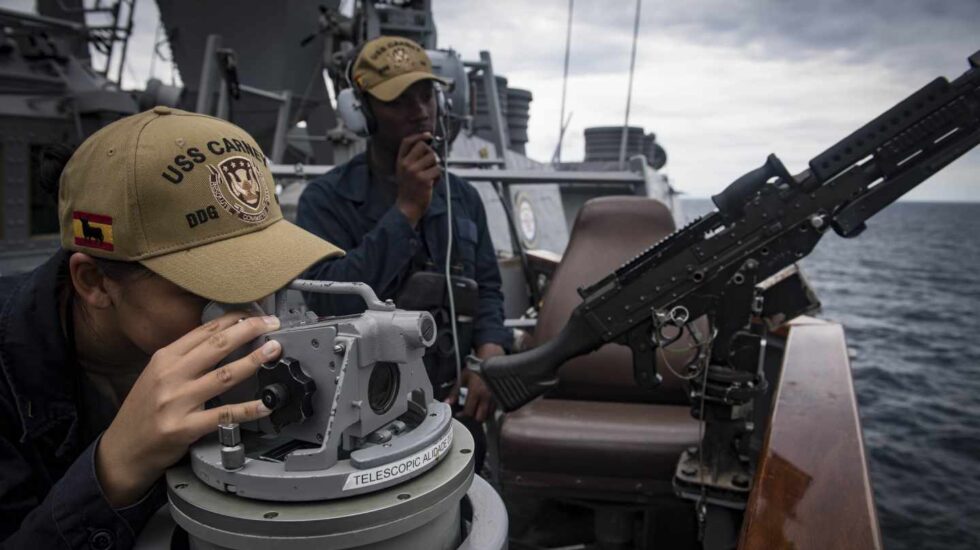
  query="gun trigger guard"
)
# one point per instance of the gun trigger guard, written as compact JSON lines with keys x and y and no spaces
{"x":679,"y":315}
{"x":676,"y":318}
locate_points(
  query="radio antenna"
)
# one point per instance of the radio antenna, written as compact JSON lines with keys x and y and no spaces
{"x":556,"y":158}
{"x":629,"y":88}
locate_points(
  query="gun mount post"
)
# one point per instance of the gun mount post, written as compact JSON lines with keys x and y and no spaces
{"x":722,"y":397}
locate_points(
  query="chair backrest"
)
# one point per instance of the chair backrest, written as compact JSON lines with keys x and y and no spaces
{"x":608,"y":231}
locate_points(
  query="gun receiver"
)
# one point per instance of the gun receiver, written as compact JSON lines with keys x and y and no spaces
{"x":765,"y":221}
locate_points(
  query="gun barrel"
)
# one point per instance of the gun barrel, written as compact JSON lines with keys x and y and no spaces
{"x":920,"y":110}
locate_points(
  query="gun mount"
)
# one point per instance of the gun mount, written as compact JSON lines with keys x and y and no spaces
{"x":729,"y":267}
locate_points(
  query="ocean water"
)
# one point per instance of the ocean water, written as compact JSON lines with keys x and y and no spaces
{"x":907,"y":291}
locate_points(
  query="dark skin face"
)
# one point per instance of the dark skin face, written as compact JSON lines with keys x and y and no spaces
{"x":402,"y":162}
{"x":413,"y":112}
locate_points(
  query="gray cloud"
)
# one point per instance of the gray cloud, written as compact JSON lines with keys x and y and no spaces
{"x":722,"y":83}
{"x":907,"y":35}
{"x":901,"y":32}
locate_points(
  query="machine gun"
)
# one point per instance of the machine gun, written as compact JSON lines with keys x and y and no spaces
{"x":765,"y":221}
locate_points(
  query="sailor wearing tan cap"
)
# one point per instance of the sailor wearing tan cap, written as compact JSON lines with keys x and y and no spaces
{"x":105,"y":369}
{"x":387,"y":208}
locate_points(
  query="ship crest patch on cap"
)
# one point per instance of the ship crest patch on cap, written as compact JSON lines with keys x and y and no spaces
{"x":240,"y":189}
{"x":399,"y":59}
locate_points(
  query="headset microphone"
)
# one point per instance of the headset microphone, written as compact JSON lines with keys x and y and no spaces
{"x":441,"y":145}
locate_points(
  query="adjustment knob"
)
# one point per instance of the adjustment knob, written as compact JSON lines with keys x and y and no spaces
{"x":287,"y":390}
{"x":274,"y":396}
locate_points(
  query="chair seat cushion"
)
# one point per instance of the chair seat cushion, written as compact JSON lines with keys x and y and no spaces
{"x":597,"y":439}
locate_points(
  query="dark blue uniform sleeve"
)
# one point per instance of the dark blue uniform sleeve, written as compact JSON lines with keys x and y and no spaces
{"x":377,"y":258}
{"x":75,"y":512}
{"x":489,"y":326}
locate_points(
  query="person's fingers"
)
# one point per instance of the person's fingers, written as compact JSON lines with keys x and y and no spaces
{"x":469,"y":409}
{"x":194,"y":338}
{"x":204,"y":422}
{"x":409,"y":141}
{"x":432,"y":174}
{"x":413,"y":147}
{"x":453,"y":395}
{"x":426,"y":161}
{"x":220,"y":344}
{"x":419,"y":152}
{"x":225,"y":377}
{"x":483,"y":409}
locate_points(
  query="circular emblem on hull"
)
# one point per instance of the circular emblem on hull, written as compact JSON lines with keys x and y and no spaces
{"x":240,"y":189}
{"x":529,"y":224}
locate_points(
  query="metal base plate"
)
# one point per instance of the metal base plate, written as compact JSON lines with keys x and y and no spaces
{"x":370,"y":469}
{"x":225,"y":520}
{"x":729,"y":488}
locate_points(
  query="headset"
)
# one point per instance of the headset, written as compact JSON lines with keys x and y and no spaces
{"x":355,"y":110}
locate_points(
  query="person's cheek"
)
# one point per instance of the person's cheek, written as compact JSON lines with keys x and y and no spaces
{"x":161,"y":331}
{"x":185,"y":316}
{"x":170,"y":319}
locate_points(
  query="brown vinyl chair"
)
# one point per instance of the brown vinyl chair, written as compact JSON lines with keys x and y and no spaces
{"x":598,"y":437}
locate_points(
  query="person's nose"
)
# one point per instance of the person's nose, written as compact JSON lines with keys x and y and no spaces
{"x":419,"y":108}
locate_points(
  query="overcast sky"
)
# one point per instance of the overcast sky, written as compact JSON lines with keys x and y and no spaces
{"x":721,"y":83}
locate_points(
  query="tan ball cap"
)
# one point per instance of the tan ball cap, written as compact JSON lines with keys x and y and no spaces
{"x":189,"y":196}
{"x":388,"y":65}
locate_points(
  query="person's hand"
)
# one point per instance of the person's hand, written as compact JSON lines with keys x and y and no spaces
{"x":416,"y":172}
{"x":164,"y":412}
{"x":479,"y":401}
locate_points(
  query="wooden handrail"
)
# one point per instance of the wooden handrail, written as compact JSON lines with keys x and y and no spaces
{"x":812,"y":488}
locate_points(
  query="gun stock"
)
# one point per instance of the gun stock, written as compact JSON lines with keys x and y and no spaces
{"x":517,"y":379}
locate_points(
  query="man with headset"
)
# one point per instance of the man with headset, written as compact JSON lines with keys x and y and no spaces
{"x":387,"y":207}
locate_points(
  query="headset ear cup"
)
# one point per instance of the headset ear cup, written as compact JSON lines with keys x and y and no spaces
{"x":350,"y":110}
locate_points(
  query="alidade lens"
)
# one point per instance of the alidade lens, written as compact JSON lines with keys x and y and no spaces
{"x":383,"y":387}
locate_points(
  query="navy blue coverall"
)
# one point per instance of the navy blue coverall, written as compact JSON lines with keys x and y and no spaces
{"x":51,"y":418}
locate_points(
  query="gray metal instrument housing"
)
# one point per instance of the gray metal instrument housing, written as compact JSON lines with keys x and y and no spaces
{"x":347,"y":445}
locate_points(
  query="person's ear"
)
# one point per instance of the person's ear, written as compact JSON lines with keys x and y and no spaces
{"x":89,"y":281}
